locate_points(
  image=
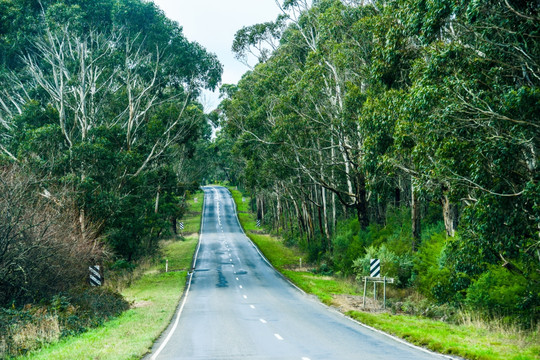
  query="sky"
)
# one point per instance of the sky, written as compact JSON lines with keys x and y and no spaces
{"x":213,"y":23}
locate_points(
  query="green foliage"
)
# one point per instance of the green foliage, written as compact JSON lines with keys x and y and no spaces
{"x":392,"y":265}
{"x":66,"y":314}
{"x":432,"y":277}
{"x":499,"y":293}
{"x":427,"y":106}
{"x":130,"y":147}
{"x":351,"y":244}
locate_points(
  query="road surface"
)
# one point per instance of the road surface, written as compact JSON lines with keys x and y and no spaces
{"x":238,"y":307}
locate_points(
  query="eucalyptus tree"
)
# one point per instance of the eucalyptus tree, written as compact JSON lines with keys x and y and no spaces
{"x":116,"y":84}
{"x":476,"y":89}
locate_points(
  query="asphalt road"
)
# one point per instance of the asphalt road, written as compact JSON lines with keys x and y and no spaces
{"x":239,"y":307}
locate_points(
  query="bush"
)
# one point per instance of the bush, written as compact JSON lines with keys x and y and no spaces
{"x":500,"y":293}
{"x":392,"y":265}
{"x":66,"y":314}
{"x":46,"y":250}
{"x":429,"y":264}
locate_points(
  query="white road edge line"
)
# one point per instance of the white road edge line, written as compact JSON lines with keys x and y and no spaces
{"x":173,"y":329}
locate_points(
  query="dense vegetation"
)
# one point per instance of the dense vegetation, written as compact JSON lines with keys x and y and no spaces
{"x":100,"y":138}
{"x":406,"y":130}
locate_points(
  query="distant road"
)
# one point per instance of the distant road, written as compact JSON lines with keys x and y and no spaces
{"x":239,"y":307}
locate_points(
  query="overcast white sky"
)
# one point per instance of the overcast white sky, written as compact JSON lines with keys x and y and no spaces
{"x":213,"y":23}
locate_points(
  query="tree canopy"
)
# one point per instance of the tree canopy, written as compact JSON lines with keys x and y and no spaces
{"x":364,"y":106}
{"x":99,"y":105}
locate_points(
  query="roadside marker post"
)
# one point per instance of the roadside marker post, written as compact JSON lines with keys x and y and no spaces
{"x":95,"y":277}
{"x":374,"y":267}
{"x":166,"y":265}
{"x":375,"y":272}
{"x":181,"y":226}
{"x":258,"y":223}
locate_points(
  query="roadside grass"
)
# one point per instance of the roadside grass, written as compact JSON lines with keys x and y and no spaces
{"x":154,"y":298}
{"x":192,"y":218}
{"x":468,"y":341}
{"x":478,"y":341}
{"x":324,"y":287}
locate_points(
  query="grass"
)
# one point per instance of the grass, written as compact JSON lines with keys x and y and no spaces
{"x":468,"y":341}
{"x":477,"y":340}
{"x":154,"y":297}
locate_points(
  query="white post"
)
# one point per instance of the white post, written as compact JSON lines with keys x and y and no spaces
{"x":384,"y":301}
{"x":166,"y":265}
{"x":300,"y":262}
{"x":365,"y":285}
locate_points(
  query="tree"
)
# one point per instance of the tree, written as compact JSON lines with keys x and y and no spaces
{"x":116,"y":86}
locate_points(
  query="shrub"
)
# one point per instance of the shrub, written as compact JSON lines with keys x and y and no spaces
{"x":392,"y":265}
{"x":429,"y":264}
{"x":500,"y":293}
{"x":46,"y":249}
{"x":66,"y":314}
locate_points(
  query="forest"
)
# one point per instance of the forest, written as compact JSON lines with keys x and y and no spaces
{"x":404,"y":130}
{"x":100,"y":139}
{"x":401,"y":130}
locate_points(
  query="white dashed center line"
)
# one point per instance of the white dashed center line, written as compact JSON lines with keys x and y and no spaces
{"x":306,"y":358}
{"x":236,"y":279}
{"x":252,"y":306}
{"x":240,"y":286}
{"x":263,"y":321}
{"x":244,"y":296}
{"x":278,"y":336}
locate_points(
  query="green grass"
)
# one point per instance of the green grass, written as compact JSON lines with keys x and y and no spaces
{"x":154,"y":297}
{"x":324,"y":287}
{"x":192,"y":219}
{"x":469,"y":341}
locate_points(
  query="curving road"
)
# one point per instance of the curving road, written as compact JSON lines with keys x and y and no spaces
{"x":238,"y":307}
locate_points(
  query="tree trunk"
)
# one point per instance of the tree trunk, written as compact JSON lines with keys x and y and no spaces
{"x":397,"y":197}
{"x":156,"y":208}
{"x":415,"y":217}
{"x":325,"y":213}
{"x":450,"y":215}
{"x":334,"y":213}
{"x":361,"y":203}
{"x":173,"y":225}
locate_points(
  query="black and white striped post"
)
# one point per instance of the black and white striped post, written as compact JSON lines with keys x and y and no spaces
{"x":375,"y":277}
{"x":374,"y":271}
{"x":95,"y":276}
{"x":374,"y":267}
{"x":181,"y":226}
{"x":258,"y":222}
